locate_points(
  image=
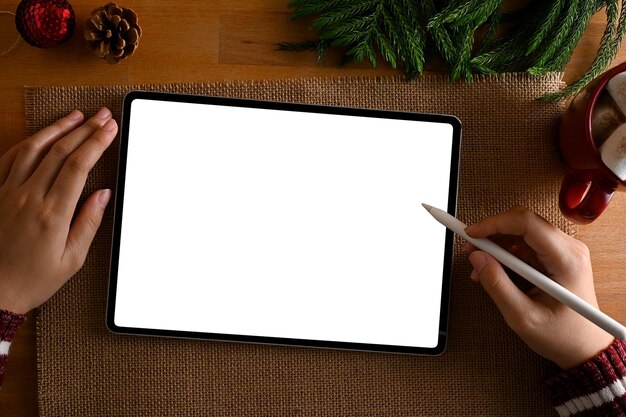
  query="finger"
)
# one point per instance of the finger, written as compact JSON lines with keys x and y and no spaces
{"x":84,"y":229}
{"x":6,"y":162}
{"x":510,"y":300}
{"x":468,"y":247}
{"x":518,"y":247}
{"x":535,"y":292}
{"x":52,"y":164}
{"x":541,"y":236}
{"x":504,"y":241}
{"x":69,"y":184}
{"x":513,"y":244}
{"x":33,"y":149}
{"x":528,"y":255}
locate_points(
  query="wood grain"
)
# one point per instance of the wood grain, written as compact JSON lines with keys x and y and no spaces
{"x":228,"y":40}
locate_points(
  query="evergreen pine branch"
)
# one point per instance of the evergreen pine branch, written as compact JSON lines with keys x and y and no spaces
{"x":321,"y":51}
{"x":363,"y":41}
{"x":385,"y":48}
{"x":542,"y":38}
{"x":463,"y":68}
{"x":621,"y":27}
{"x":505,"y":53}
{"x":356,"y":53}
{"x":318,"y":45}
{"x":339,"y":15}
{"x":471,"y":14}
{"x":306,"y":8}
{"x":453,"y":32}
{"x":365,"y":26}
{"x":427,"y":8}
{"x":415,"y":31}
{"x":558,"y":36}
{"x":483,"y":10}
{"x":547,"y":23}
{"x":437,"y":20}
{"x":490,"y":35}
{"x":444,"y":44}
{"x":369,"y":52}
{"x":406,"y":34}
{"x":609,"y":45}
{"x":586,"y":11}
{"x":395,"y":30}
{"x":354,"y":28}
{"x":421,"y":11}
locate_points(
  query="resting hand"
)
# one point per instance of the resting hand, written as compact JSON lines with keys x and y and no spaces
{"x":547,"y":326}
{"x":41,"y":179}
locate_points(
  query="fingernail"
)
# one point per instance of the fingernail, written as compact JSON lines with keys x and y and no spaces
{"x":103,"y":113}
{"x":104,"y":197}
{"x":75,"y":115}
{"x":110,"y":125}
{"x":466,"y":247}
{"x":469,"y":228}
{"x":474,"y":276}
{"x":478,"y":261}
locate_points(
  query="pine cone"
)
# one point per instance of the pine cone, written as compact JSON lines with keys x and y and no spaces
{"x":112,"y":33}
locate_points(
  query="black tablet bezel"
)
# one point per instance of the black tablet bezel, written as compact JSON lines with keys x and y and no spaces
{"x":119,"y":201}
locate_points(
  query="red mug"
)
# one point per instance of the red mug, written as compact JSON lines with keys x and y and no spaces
{"x":589,"y":184}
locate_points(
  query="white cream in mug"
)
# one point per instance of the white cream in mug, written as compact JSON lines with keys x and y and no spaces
{"x":613,"y":152}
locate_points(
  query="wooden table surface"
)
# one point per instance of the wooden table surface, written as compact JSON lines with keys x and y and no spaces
{"x":216,"y":41}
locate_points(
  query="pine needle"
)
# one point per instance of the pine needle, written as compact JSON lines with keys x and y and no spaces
{"x":558,"y":35}
{"x":609,"y":45}
{"x":546,"y":25}
{"x":541,"y":37}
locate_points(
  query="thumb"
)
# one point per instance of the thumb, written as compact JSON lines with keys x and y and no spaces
{"x":511,"y":301}
{"x":84,"y":229}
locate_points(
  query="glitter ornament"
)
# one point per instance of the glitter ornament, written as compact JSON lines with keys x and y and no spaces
{"x":45,"y":23}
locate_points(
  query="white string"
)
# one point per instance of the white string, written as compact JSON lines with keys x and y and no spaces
{"x":17,"y":40}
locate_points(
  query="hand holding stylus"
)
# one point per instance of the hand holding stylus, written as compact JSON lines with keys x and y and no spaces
{"x":549,"y":327}
{"x":41,"y":180}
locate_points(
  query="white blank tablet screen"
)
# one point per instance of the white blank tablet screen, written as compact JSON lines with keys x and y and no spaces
{"x":282,"y":224}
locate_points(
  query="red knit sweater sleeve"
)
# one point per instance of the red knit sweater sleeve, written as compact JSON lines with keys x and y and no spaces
{"x":9,"y":322}
{"x":595,"y":388}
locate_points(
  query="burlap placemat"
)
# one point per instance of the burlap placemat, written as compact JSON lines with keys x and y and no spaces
{"x":509,"y":157}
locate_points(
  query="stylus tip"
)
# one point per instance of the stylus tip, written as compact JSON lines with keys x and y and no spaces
{"x":427,"y":207}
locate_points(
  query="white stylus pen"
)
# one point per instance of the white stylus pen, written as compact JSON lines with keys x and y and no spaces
{"x":532,"y":275}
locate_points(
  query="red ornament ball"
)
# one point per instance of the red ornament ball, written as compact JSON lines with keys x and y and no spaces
{"x":45,"y":23}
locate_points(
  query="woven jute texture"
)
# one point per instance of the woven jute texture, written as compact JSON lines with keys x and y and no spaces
{"x":509,"y":158}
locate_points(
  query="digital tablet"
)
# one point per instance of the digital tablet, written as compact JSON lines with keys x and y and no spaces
{"x":264,"y":222}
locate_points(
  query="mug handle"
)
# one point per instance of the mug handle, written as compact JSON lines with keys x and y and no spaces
{"x":582,"y":201}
